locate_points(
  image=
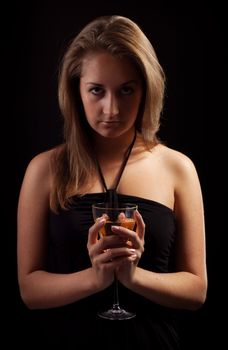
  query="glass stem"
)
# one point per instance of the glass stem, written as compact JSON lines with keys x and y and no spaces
{"x":116,"y":304}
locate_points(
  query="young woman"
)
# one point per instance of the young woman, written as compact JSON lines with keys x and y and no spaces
{"x":111,"y":89}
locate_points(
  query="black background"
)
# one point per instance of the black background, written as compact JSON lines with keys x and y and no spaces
{"x":190,"y":44}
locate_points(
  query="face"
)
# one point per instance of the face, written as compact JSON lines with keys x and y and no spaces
{"x":111,"y":92}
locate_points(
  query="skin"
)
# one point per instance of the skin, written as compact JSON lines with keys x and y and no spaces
{"x":110,"y":104}
{"x":111,"y":91}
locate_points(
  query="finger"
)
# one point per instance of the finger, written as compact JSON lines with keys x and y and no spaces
{"x":140,"y":225}
{"x":112,"y":241}
{"x":128,"y":236}
{"x":94,"y":230}
{"x":116,"y":253}
{"x":105,"y":243}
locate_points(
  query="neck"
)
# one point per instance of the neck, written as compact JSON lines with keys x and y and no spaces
{"x":114,"y":147}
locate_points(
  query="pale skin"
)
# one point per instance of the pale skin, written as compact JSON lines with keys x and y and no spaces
{"x":111,"y":102}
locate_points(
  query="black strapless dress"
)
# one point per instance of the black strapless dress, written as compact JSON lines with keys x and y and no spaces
{"x":77,"y":324}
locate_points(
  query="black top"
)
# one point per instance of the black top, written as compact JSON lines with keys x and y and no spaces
{"x":69,"y":233}
{"x":77,"y":324}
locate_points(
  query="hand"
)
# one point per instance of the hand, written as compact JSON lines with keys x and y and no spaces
{"x":135,"y":240}
{"x":106,"y":254}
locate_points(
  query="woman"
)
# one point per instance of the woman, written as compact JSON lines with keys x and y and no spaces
{"x":111,"y":89}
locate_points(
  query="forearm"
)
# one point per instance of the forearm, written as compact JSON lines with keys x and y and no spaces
{"x":41,"y":289}
{"x":182,"y":290}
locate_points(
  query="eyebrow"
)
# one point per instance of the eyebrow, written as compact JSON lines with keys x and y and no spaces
{"x":101,"y":85}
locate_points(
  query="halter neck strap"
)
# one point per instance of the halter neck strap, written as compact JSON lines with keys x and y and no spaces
{"x":112,"y":195}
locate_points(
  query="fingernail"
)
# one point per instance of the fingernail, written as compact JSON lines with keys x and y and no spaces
{"x":115,"y":228}
{"x":133,"y":257}
{"x":132,"y":251}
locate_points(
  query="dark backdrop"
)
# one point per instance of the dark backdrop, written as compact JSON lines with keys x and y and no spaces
{"x":190,"y":44}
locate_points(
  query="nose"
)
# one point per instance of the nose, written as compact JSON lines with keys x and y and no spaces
{"x":111,"y":106}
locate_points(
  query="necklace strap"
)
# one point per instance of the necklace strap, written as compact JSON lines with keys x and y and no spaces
{"x":125,"y":162}
{"x":112,"y":195}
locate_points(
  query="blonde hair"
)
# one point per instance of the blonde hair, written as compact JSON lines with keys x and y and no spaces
{"x":73,"y":162}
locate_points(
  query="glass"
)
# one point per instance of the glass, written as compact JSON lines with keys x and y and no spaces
{"x":123,"y":215}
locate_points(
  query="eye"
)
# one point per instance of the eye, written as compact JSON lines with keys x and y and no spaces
{"x":127,"y":90}
{"x":96,"y":90}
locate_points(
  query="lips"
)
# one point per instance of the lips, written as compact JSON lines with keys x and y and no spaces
{"x":110,"y":121}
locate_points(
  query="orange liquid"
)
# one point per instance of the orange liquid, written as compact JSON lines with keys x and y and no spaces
{"x":106,"y":230}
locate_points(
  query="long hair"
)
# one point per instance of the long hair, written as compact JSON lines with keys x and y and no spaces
{"x":73,"y":163}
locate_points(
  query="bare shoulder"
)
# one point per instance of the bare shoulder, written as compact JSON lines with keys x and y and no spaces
{"x":182,"y":172}
{"x":41,"y":162}
{"x":38,"y":172}
{"x":176,"y":161}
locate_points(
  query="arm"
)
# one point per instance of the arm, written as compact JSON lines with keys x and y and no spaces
{"x":186,"y":288}
{"x":38,"y":288}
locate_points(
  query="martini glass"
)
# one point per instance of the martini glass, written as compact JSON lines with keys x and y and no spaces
{"x":123,"y":215}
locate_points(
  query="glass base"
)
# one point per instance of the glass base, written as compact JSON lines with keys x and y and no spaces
{"x":116,"y":313}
